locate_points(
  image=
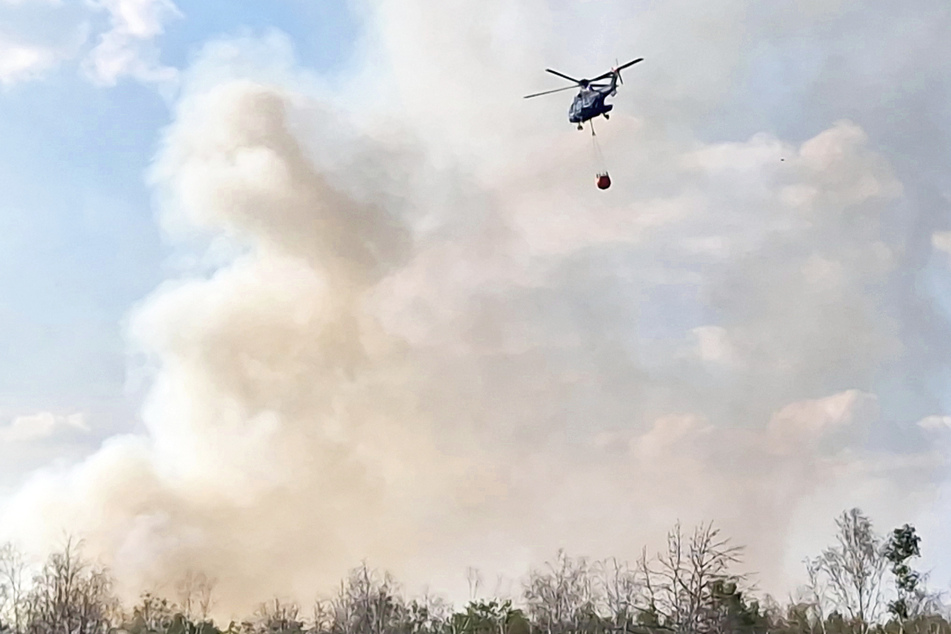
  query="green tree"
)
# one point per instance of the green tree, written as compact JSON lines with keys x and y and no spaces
{"x":902,"y":546}
{"x":151,"y":614}
{"x":732,"y":613}
{"x":429,"y":615}
{"x":489,"y":617}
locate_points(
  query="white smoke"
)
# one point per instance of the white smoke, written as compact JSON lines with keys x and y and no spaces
{"x":432,"y":343}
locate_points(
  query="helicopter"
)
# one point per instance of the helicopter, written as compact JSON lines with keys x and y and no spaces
{"x":589,"y":102}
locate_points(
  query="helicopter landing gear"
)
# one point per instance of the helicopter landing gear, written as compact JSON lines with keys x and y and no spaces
{"x":607,"y":116}
{"x":580,"y":127}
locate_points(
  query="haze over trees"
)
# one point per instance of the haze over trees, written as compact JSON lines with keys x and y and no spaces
{"x":863,"y":583}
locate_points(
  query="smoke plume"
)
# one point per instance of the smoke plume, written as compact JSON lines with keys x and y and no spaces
{"x":413,"y":332}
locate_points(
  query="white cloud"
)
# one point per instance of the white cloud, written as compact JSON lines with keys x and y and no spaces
{"x":941,"y":240}
{"x":42,"y":441}
{"x":42,"y":426}
{"x":20,"y":62}
{"x":809,"y":421}
{"x":142,"y":19}
{"x":713,"y":344}
{"x":935,"y":423}
{"x":127,"y":49}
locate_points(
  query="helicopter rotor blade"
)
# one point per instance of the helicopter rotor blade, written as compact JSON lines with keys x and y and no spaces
{"x":639,"y":59}
{"x":563,"y":76}
{"x":617,"y":71}
{"x":548,"y":92}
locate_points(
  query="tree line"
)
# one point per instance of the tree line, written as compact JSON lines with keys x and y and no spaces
{"x":862,"y":584}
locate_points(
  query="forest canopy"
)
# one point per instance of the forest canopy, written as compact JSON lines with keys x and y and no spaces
{"x":864,"y":582}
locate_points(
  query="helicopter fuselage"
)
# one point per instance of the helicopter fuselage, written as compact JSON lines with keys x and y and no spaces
{"x":588,"y":104}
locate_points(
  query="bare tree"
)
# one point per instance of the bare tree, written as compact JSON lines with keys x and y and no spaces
{"x":563,"y":596}
{"x":681,"y":587}
{"x":367,"y":604}
{"x":195,"y":592}
{"x":622,"y":590}
{"x":322,"y":616}
{"x":852,"y":571}
{"x":649,"y":613}
{"x":812,"y":607}
{"x":70,"y":596}
{"x":276,"y":617}
{"x":13,"y":569}
{"x":474,"y":579}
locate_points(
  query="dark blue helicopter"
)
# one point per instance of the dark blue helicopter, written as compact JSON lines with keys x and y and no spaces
{"x":589,"y":102}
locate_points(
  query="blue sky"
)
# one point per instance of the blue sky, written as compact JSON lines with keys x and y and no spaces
{"x":79,"y":244}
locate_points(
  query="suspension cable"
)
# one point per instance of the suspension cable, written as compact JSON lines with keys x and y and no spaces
{"x":598,"y":154}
